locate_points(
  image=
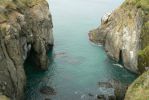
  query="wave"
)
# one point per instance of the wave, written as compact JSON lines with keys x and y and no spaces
{"x":96,"y":44}
{"x":119,"y":65}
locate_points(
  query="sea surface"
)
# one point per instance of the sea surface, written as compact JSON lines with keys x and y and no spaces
{"x":77,"y":65}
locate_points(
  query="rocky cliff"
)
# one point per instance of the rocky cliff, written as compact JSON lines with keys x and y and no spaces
{"x":25,"y":29}
{"x":124,"y":34}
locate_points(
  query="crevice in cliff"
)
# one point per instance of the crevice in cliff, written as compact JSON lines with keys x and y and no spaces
{"x":33,"y":58}
{"x":30,"y":59}
{"x":120,"y":61}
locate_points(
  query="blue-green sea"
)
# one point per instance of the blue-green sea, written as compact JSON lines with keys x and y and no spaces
{"x":76,"y":64}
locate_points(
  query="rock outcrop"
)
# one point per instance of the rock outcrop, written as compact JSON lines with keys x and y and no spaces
{"x":113,"y":90}
{"x":124,"y":34}
{"x":139,"y":89}
{"x":25,"y":29}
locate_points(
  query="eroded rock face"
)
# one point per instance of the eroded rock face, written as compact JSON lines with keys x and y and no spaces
{"x":121,"y":33}
{"x":25,"y":26}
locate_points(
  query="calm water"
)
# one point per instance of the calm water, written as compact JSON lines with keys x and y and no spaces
{"x":77,"y":65}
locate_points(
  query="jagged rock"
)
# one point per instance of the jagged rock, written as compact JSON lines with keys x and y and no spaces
{"x":25,"y":26}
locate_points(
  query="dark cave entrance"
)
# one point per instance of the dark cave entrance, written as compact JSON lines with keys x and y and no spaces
{"x":33,"y":73}
{"x":120,"y":61}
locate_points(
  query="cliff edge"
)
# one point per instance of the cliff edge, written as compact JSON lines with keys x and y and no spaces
{"x":25,"y":29}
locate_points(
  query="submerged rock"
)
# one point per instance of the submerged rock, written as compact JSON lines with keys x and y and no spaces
{"x":25,"y":28}
{"x":47,"y":90}
{"x":105,"y":84}
{"x":101,"y":97}
{"x":90,"y":94}
{"x":47,"y":99}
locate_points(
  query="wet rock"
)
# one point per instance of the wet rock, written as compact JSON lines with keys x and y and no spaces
{"x":111,"y":98}
{"x":91,"y":95}
{"x":47,"y":90}
{"x":106,"y":97}
{"x":105,"y":84}
{"x":101,"y":97}
{"x":47,"y":99}
{"x":113,"y":90}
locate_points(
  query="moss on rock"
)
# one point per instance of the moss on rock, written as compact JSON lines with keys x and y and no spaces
{"x":139,"y":89}
{"x":3,"y":97}
{"x":143,"y":59}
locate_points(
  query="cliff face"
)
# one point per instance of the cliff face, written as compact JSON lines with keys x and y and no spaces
{"x":25,"y":26}
{"x":124,"y":34}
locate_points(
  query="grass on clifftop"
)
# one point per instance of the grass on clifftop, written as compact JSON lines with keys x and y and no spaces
{"x":19,"y":3}
{"x":144,"y":4}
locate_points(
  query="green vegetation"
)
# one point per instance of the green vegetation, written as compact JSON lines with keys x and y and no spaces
{"x":139,"y":90}
{"x":27,"y":3}
{"x":143,"y":59}
{"x":3,"y":97}
{"x":143,"y":4}
{"x":13,"y":4}
{"x":7,"y":4}
{"x":145,"y":34}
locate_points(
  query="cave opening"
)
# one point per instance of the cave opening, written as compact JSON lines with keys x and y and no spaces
{"x":34,"y":74}
{"x":120,"y":61}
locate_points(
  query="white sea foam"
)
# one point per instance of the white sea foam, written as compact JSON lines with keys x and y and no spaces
{"x":96,"y":44}
{"x":119,"y":65}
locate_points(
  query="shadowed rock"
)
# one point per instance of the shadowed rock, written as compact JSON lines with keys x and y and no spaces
{"x":47,"y":90}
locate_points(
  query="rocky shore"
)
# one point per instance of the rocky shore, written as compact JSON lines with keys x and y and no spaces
{"x":124,"y":35}
{"x":25,"y":30}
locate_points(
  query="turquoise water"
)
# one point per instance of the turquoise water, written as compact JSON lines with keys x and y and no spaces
{"x":76,"y":64}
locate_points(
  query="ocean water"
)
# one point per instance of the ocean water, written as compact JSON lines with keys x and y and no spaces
{"x":76,"y":65}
